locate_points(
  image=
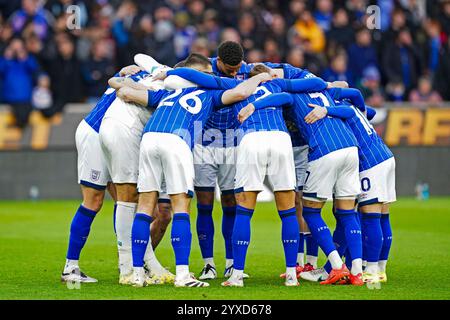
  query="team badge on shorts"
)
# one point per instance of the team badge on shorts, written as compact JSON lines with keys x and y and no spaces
{"x":95,"y":175}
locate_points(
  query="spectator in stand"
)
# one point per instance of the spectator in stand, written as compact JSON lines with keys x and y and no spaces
{"x":260,"y":15}
{"x":41,"y":98}
{"x":341,"y":33}
{"x":434,"y":45}
{"x":59,"y":8}
{"x":272,"y":51}
{"x":249,"y":35}
{"x":398,"y":22}
{"x":196,"y":9}
{"x":278,"y":33}
{"x":32,"y":14}
{"x":17,"y":69}
{"x":324,"y":14}
{"x":308,"y":29}
{"x":255,"y":55}
{"x":230,"y":34}
{"x":415,"y":11}
{"x":200,"y":45}
{"x":144,"y":36}
{"x":424,"y":92}
{"x":361,"y":54}
{"x":338,"y":71}
{"x":164,"y":31}
{"x":121,"y":30}
{"x":357,"y":9}
{"x":65,"y":75}
{"x":395,"y":91}
{"x":401,"y":60}
{"x":370,"y":87}
{"x":98,"y":69}
{"x":185,"y":35}
{"x":442,"y":77}
{"x":444,"y":17}
{"x":386,"y":7}
{"x":296,"y":8}
{"x":6,"y":34}
{"x":211,"y":29}
{"x":296,"y":58}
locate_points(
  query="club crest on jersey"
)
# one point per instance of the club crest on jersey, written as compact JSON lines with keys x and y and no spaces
{"x":239,"y":77}
{"x":95,"y":175}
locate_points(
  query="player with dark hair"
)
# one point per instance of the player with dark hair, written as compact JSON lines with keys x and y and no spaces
{"x":229,"y":57}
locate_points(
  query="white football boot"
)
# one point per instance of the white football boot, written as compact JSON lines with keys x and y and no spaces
{"x":126,"y":279}
{"x":233,"y":281}
{"x":229,"y":271}
{"x":291,"y":281}
{"x":77,"y":276}
{"x":315,"y":275}
{"x":189,"y":281}
{"x":158,"y":275}
{"x":139,"y":279}
{"x":208,"y":273}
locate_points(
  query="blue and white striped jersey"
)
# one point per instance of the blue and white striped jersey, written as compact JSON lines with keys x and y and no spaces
{"x":267,"y":119}
{"x":224,"y":119}
{"x":221,"y":121}
{"x":372,"y":149}
{"x":182,"y":112}
{"x":95,"y":117}
{"x":326,"y":135}
{"x":296,"y":135}
{"x":291,"y":72}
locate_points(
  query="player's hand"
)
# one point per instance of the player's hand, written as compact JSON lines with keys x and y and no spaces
{"x":337,"y":84}
{"x":316,"y":114}
{"x":246,"y":112}
{"x":129,"y":70}
{"x":161,"y":75}
{"x":264,"y":77}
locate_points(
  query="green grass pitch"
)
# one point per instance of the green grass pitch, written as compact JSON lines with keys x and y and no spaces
{"x":33,"y":241}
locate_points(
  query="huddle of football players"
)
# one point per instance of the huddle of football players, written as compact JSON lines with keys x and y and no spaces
{"x":158,"y":135}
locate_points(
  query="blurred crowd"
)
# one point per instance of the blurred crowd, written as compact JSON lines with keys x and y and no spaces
{"x":52,"y":54}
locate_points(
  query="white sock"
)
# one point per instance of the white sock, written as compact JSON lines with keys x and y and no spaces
{"x":228,"y":263}
{"x":372,"y":267}
{"x":290,"y":271}
{"x":300,"y":259}
{"x":124,"y":221}
{"x":182,"y":271}
{"x":238,"y":274}
{"x":70,"y":265}
{"x":312,"y":260}
{"x":382,"y":265}
{"x":356,"y":267}
{"x":335,"y":260}
{"x":209,"y":261}
{"x":151,"y":261}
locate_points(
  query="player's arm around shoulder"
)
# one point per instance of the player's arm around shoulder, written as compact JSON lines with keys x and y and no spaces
{"x":121,"y":82}
{"x":244,"y":89}
{"x":272,"y":100}
{"x":132,"y":95}
{"x":319,"y":112}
